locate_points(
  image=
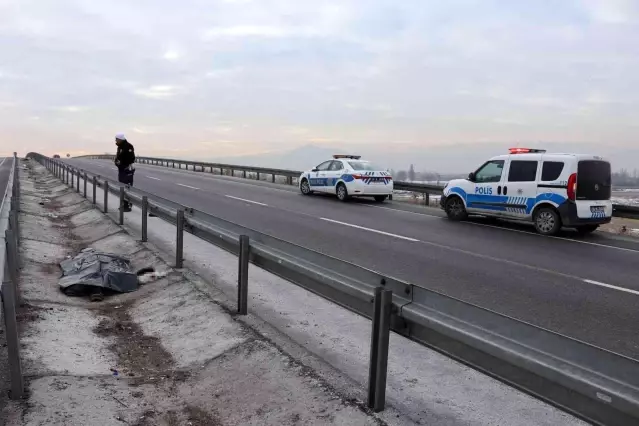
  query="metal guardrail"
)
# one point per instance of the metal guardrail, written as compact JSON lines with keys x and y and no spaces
{"x":292,"y":176}
{"x":9,"y":270}
{"x":596,"y":385}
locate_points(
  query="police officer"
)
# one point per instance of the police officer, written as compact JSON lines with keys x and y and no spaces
{"x":124,"y":160}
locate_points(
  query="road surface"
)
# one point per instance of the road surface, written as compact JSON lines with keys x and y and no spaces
{"x":585,"y":288}
{"x":5,"y":170}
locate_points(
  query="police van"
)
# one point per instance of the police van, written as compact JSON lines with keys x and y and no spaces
{"x":347,"y":176}
{"x":549,"y":190}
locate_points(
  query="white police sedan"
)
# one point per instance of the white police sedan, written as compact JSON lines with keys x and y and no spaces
{"x":347,"y":176}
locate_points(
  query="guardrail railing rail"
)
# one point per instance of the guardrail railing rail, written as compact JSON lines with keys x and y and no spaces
{"x":292,"y":176}
{"x":589,"y":382}
{"x":9,"y":270}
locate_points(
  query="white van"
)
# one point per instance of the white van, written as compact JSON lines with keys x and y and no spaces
{"x":549,"y":190}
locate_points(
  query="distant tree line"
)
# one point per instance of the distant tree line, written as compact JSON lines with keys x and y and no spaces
{"x":623,"y":178}
{"x":411,"y":175}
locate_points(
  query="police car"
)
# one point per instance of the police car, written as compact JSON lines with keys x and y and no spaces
{"x":347,"y":176}
{"x":549,"y":190}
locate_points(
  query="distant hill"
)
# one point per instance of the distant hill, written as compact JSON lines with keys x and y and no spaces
{"x":443,"y":159}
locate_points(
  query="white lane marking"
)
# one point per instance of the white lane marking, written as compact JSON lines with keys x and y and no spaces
{"x":247,"y":201}
{"x":554,"y":237}
{"x":614,"y":287}
{"x":187,"y":186}
{"x":154,"y":178}
{"x":3,"y":160}
{"x":370,"y":229}
{"x":531,"y":267}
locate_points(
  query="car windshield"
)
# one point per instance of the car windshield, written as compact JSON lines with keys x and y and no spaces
{"x":363,"y":165}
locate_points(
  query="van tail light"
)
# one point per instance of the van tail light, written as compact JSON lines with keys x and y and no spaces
{"x":572,"y":187}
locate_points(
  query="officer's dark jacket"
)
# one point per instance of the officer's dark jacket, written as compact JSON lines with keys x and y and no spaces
{"x":126,"y":155}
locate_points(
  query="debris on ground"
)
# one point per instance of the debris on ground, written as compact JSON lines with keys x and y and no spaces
{"x":96,"y":274}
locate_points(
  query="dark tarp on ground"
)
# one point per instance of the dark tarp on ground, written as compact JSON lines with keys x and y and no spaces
{"x":92,"y":271}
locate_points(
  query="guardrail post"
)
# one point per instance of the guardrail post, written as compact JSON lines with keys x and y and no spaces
{"x":122,"y":201}
{"x":145,"y":218}
{"x":174,"y":164}
{"x":78,"y":181}
{"x":289,"y":180}
{"x":9,"y":297}
{"x":258,"y":175}
{"x":85,"y":184}
{"x":380,"y":336}
{"x":14,"y":226}
{"x":106,"y":196}
{"x":242,"y":276}
{"x":232,"y":172}
{"x":273,"y":178}
{"x":244,"y":174}
{"x":67,"y":171}
{"x":95,"y":187}
{"x":426,"y":199}
{"x":180,"y":166}
{"x":179,"y":241}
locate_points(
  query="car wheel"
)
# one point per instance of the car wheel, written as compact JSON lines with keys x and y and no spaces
{"x":547,"y":221}
{"x":305,"y":187}
{"x":455,"y":209}
{"x":342,"y":192}
{"x":587,"y":229}
{"x":380,"y":198}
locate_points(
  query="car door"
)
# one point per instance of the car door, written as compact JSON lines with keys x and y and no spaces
{"x":520,"y":187}
{"x":317,"y":178}
{"x":333,"y":174}
{"x":485,"y":196}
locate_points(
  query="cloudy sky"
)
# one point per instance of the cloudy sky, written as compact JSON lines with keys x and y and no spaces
{"x":240,"y":77}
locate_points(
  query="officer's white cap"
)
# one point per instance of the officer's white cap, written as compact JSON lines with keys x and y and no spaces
{"x":120,"y":136}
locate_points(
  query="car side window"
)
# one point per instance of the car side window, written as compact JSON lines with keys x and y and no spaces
{"x":324,"y":166}
{"x":335,"y":166}
{"x":551,"y":170}
{"x":490,"y":172}
{"x":522,"y":171}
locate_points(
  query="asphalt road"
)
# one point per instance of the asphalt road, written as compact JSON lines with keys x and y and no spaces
{"x":5,"y":170}
{"x":586,"y":288}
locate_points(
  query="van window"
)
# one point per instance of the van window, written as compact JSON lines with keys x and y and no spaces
{"x":593,"y":180}
{"x":522,"y":171}
{"x":490,"y":172}
{"x":551,"y":170}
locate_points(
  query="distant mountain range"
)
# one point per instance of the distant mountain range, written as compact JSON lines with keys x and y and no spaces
{"x":444,"y":159}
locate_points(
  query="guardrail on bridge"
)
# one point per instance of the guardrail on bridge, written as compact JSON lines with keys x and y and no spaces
{"x":9,"y":270}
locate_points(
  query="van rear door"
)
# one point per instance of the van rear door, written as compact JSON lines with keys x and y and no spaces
{"x":594,"y":187}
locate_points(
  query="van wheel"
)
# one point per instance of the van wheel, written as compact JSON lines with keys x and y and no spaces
{"x":342,"y":192}
{"x":455,"y":209}
{"x":380,"y":198}
{"x":305,"y":187}
{"x":547,"y":221}
{"x":587,"y":229}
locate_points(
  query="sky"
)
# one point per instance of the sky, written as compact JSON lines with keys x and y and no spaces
{"x":225,"y":78}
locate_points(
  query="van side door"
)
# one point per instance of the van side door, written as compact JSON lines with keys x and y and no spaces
{"x":484,"y":196}
{"x":520,"y":186}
